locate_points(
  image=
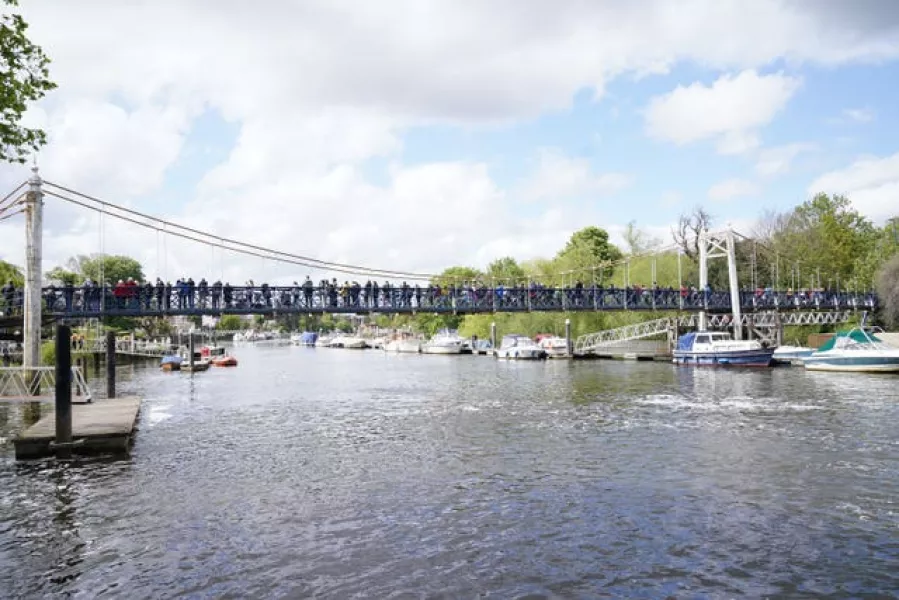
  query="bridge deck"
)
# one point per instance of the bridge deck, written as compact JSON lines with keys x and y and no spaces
{"x":104,"y":427}
{"x":149,"y":301}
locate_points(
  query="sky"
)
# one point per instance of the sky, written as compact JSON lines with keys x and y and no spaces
{"x":416,"y":135}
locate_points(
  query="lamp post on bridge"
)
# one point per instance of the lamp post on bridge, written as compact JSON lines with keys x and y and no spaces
{"x":34,"y":222}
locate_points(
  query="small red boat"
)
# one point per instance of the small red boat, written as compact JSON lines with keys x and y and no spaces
{"x":217,"y":357}
{"x":224,"y":361}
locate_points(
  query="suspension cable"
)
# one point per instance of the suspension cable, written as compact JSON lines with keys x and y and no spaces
{"x":10,"y":195}
{"x":322,"y":263}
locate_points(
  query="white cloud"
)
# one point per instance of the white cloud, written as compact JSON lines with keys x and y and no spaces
{"x":730,"y":189}
{"x":561,"y":177}
{"x":110,"y":150}
{"x":859,"y":115}
{"x":317,"y":88}
{"x":871,"y":183}
{"x":777,"y":160}
{"x":729,"y":111}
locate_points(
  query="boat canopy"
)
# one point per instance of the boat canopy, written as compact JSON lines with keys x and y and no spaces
{"x":308,"y":337}
{"x":856,"y":335}
{"x":685,"y":342}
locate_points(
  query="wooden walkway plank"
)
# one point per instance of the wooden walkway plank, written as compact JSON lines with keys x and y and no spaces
{"x":100,"y":427}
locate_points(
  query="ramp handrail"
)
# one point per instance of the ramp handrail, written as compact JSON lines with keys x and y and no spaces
{"x":35,"y":383}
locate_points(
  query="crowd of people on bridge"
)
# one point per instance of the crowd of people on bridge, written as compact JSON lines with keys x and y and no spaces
{"x":186,"y":296}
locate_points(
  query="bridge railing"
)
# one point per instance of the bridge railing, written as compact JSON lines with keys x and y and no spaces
{"x":153,"y":300}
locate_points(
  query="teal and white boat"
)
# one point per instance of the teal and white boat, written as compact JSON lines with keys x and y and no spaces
{"x":855,"y":350}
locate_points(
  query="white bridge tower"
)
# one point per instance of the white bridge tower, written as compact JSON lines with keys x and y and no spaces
{"x":720,"y":245}
{"x":34,"y":225}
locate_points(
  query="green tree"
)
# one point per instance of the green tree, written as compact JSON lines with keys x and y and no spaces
{"x":825,"y":239}
{"x":24,"y":79}
{"x":456,"y":275}
{"x":588,"y":251}
{"x":97,"y":267}
{"x":61,"y":276}
{"x":888,"y":291}
{"x":10,"y":272}
{"x":429,"y":323}
{"x":230,"y":323}
{"x":505,"y":270}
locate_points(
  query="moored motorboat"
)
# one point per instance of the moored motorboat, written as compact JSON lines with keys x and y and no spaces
{"x":791,"y":355}
{"x":408,"y":345}
{"x":482,"y":347}
{"x":713,"y":348}
{"x":519,"y":347}
{"x":348,"y":341}
{"x":555,"y":346}
{"x":217,"y":356}
{"x":856,"y":350}
{"x":171,"y":363}
{"x":445,"y":341}
{"x":307,"y":338}
{"x":197,"y":366}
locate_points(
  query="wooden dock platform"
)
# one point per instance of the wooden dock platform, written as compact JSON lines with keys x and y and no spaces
{"x":102,"y":427}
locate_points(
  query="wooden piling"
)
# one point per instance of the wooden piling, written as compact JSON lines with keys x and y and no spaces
{"x":110,"y":364}
{"x":63,"y":442}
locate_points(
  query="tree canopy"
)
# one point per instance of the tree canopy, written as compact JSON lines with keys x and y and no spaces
{"x":588,"y":251}
{"x":506,"y":270}
{"x":10,"y":272}
{"x":888,"y":291}
{"x":456,"y":275}
{"x":24,"y":79}
{"x":97,"y":268}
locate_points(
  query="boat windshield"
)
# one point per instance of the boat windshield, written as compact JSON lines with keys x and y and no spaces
{"x":515,"y":340}
{"x":854,"y":339}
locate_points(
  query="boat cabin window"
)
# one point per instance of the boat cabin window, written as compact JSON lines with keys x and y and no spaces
{"x":702,"y":339}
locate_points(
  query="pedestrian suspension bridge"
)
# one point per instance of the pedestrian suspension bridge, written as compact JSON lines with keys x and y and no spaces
{"x":400,"y":292}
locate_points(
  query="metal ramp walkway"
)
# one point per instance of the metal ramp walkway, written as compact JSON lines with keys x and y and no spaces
{"x":759,"y":322}
{"x":38,"y":384}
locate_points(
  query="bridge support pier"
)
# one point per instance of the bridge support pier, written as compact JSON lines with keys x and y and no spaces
{"x":34,"y":225}
{"x":568,"y":349}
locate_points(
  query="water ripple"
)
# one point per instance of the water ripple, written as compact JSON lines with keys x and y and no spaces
{"x":341,"y":474}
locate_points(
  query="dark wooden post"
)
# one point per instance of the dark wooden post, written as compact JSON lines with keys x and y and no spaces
{"x":63,"y":391}
{"x":110,"y":364}
{"x":190,"y":350}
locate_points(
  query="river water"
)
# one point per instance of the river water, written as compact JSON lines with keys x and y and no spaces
{"x":341,"y":474}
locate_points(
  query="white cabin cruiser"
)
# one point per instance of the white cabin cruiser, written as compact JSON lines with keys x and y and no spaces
{"x":348,"y":341}
{"x":519,"y":347}
{"x":555,"y":346}
{"x":408,"y":345}
{"x":445,"y":341}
